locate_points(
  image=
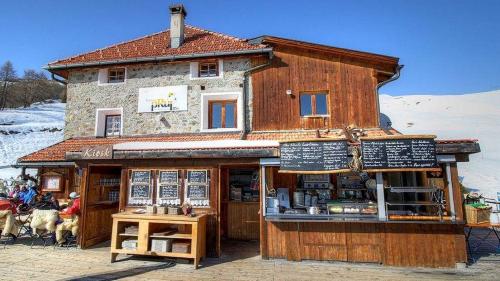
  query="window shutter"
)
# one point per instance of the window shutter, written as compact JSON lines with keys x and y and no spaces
{"x":194,"y":70}
{"x":103,"y":76}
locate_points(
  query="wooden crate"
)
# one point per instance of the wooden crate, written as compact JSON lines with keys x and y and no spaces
{"x":473,"y":215}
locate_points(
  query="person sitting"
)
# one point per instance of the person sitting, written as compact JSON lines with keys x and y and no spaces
{"x":69,"y":218}
{"x":74,"y":205}
{"x":7,"y":220}
{"x":13,"y":193}
{"x":30,"y":196}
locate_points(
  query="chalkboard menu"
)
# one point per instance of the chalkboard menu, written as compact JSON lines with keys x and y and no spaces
{"x":140,"y":191}
{"x":168,"y":191}
{"x":197,"y":192}
{"x":169,"y":176}
{"x":399,"y":153}
{"x":197,"y":176}
{"x":314,"y":155}
{"x":141,"y":176}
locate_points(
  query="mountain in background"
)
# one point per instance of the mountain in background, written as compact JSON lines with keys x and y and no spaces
{"x":470,"y":116}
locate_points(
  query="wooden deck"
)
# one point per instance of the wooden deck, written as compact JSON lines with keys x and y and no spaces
{"x":240,"y":261}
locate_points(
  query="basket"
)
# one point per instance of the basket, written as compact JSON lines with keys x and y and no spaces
{"x":474,"y":215}
{"x":174,"y":211}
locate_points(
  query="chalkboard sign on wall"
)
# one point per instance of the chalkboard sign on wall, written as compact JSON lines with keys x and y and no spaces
{"x":197,"y":176}
{"x":140,"y":191}
{"x":168,"y":191}
{"x":314,"y":156}
{"x":169,"y":176}
{"x":404,"y":153}
{"x":141,"y":176}
{"x":197,"y":192}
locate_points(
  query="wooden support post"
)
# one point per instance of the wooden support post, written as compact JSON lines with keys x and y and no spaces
{"x":380,"y":197}
{"x":450,"y":192}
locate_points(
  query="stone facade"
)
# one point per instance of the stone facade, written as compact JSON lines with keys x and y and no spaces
{"x":85,"y":96}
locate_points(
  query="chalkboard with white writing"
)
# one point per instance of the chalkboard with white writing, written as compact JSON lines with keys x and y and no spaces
{"x":197,"y":176}
{"x":168,"y":191}
{"x":197,"y":192}
{"x":141,"y":176}
{"x":417,"y":153}
{"x":314,"y":155}
{"x":169,"y":176}
{"x":140,"y":191}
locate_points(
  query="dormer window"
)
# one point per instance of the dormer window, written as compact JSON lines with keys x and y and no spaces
{"x":116,"y":75}
{"x":208,"y":69}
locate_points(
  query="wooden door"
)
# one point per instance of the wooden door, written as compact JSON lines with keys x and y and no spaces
{"x":96,"y":208}
{"x":243,"y":221}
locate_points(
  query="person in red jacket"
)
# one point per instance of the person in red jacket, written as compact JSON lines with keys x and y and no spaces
{"x":6,"y":204}
{"x":74,"y":208}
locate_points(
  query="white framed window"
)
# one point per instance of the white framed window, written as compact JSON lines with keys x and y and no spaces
{"x":112,"y":76}
{"x":109,"y":122}
{"x":222,"y":112}
{"x":213,"y":69}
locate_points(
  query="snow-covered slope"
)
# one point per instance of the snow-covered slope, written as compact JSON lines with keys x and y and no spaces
{"x":471,"y":116}
{"x":25,"y":130}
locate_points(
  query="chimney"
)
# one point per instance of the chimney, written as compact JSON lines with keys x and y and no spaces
{"x":177,"y":15}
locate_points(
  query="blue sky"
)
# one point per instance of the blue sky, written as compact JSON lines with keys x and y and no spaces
{"x":447,"y":47}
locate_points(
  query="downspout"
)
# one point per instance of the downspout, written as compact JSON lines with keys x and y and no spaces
{"x":394,"y":77}
{"x":246,"y":89}
{"x":59,"y":80}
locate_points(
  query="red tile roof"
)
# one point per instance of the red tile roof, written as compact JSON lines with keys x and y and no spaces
{"x":58,"y":151}
{"x":197,"y":41}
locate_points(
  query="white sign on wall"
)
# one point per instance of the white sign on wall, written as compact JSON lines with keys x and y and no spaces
{"x":159,"y":99}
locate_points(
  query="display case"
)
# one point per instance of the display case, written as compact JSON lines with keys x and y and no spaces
{"x":416,"y":203}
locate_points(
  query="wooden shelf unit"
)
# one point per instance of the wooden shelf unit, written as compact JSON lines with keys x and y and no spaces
{"x":190,"y":228}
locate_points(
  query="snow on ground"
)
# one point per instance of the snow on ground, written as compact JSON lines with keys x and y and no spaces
{"x":25,"y":130}
{"x":470,"y":116}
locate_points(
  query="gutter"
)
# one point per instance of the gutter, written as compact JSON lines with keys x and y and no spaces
{"x":157,"y":59}
{"x":246,"y":89}
{"x":394,"y":77}
{"x":43,"y":164}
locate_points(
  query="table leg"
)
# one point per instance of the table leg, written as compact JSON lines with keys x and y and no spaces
{"x":113,"y":257}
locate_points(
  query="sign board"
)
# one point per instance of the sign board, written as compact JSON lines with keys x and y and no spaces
{"x":404,"y":153}
{"x":314,"y":156}
{"x":141,"y":176}
{"x":169,"y":176}
{"x":197,"y":176}
{"x":140,"y":191}
{"x":98,"y":152}
{"x":168,"y":191}
{"x":197,"y":192}
{"x":160,"y":99}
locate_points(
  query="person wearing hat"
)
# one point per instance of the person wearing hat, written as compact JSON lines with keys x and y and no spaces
{"x":74,"y":206}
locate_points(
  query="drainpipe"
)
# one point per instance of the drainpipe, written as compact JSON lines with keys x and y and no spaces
{"x":383,"y":83}
{"x":62,"y":81}
{"x":246,"y":89}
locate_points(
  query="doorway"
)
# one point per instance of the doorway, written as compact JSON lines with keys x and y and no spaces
{"x":100,"y":199}
{"x":240,"y":194}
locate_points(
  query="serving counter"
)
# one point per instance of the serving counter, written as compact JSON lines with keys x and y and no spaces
{"x":174,"y":236}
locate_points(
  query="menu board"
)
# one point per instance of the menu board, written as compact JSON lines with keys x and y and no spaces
{"x":169,"y":176}
{"x":399,"y":153}
{"x":197,"y":191}
{"x":168,"y":191}
{"x":141,"y":176}
{"x":314,"y":155}
{"x":140,"y":191}
{"x":197,"y":176}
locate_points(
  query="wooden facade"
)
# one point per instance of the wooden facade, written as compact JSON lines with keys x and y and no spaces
{"x":351,"y":87}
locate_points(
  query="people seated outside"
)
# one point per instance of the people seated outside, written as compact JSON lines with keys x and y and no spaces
{"x":29,"y":197}
{"x":73,"y":206}
{"x":68,"y":218}
{"x":15,"y":191}
{"x":7,"y":220}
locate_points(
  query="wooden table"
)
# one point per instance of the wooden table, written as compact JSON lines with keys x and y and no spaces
{"x":481,"y":239}
{"x":191,"y":229}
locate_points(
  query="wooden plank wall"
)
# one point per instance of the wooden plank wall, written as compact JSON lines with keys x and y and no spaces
{"x":397,"y":244}
{"x":351,"y":87}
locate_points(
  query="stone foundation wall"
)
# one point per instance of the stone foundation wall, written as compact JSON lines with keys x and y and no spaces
{"x":85,"y":96}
